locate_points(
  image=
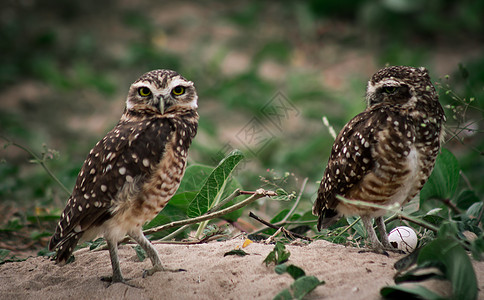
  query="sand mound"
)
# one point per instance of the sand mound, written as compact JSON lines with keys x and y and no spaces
{"x":347,"y":273}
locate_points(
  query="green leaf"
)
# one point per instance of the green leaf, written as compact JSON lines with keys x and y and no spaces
{"x":447,"y":253}
{"x":214,"y":185}
{"x":442,"y":183}
{"x":281,"y":215}
{"x":360,"y":229}
{"x":3,"y":254}
{"x":300,"y":288}
{"x":474,"y":211}
{"x":283,"y":195}
{"x":292,"y":270}
{"x":284,"y":295}
{"x":304,"y":285}
{"x":420,"y":273}
{"x":466,"y":198}
{"x":96,"y":243}
{"x":477,"y":248}
{"x":406,"y":292}
{"x":278,"y":255}
{"x":238,"y":252}
{"x":140,"y":252}
{"x":46,"y":253}
{"x":194,"y":177}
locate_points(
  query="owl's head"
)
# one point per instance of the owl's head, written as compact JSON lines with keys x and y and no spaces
{"x":400,"y":85}
{"x":162,"y":91}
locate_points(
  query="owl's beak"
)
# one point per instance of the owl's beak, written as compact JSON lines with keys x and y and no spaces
{"x":162,"y":105}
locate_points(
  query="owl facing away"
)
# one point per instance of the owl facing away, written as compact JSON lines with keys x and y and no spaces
{"x":385,"y":154}
{"x":131,"y":174}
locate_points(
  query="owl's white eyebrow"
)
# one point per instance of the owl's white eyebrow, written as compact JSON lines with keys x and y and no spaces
{"x":180,"y":81}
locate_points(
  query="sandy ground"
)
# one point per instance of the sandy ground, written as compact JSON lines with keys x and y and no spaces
{"x":347,"y":273}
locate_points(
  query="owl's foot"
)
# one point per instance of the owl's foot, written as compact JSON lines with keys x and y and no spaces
{"x":159,"y":268}
{"x":382,"y":250}
{"x":116,"y":279}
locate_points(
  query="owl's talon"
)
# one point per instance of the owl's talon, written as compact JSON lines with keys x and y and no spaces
{"x":149,"y":272}
{"x":110,"y":281}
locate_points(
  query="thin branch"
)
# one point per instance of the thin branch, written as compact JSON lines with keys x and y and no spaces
{"x":260,"y":193}
{"x":231,"y":197}
{"x":451,"y":205}
{"x":415,"y":221}
{"x":293,"y":208}
{"x":174,"y":233}
{"x":349,"y":226}
{"x":268,"y":224}
{"x":395,"y":208}
{"x":298,"y":222}
{"x":466,"y":180}
{"x":40,"y":162}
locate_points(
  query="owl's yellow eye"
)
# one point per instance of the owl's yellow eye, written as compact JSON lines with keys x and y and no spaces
{"x":144,"y":91}
{"x":390,"y":89}
{"x":178,"y":90}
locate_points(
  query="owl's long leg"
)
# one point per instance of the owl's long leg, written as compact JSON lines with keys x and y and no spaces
{"x":113,"y":253}
{"x":150,"y":250}
{"x":380,"y":225}
{"x":375,"y":243}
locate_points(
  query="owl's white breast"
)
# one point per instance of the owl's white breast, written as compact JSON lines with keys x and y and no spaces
{"x":412,"y":164}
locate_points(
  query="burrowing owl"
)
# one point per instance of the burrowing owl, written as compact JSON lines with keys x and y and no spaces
{"x":131,"y":174}
{"x":385,"y":154}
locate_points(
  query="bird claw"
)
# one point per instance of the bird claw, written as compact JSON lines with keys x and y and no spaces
{"x":110,"y":280}
{"x":382,"y":250}
{"x":158,"y":268}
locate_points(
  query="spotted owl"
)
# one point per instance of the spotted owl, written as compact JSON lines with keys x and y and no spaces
{"x":131,"y":174}
{"x":385,"y":154}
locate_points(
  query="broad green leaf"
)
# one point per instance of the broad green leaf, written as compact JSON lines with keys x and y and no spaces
{"x":295,"y":271}
{"x":304,"y":285}
{"x":284,"y":295}
{"x":280,"y":216}
{"x":238,"y":252}
{"x":433,"y":219}
{"x":407,"y":292}
{"x":442,"y":183}
{"x":447,"y":253}
{"x":182,"y":200}
{"x":299,"y":288}
{"x":214,"y":185}
{"x":159,"y":220}
{"x":194,"y":177}
{"x":420,"y":273}
{"x":292,"y":270}
{"x":360,"y":229}
{"x":466,"y":198}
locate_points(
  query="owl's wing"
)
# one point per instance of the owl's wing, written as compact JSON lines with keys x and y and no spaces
{"x":125,"y":154}
{"x":350,"y":159}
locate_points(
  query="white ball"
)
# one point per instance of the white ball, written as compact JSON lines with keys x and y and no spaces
{"x":403,"y":238}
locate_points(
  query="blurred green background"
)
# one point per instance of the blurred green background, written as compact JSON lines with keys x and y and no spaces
{"x":266,"y":73}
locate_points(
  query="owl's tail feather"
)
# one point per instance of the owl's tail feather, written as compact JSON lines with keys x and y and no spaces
{"x":327,"y":217}
{"x":64,"y":246}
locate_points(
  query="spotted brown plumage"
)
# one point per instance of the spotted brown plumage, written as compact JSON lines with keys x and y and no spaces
{"x":131,"y":174}
{"x":385,"y":154}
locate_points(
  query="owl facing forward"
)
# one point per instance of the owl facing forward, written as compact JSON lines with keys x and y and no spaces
{"x":385,"y":154}
{"x":131,"y":174}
